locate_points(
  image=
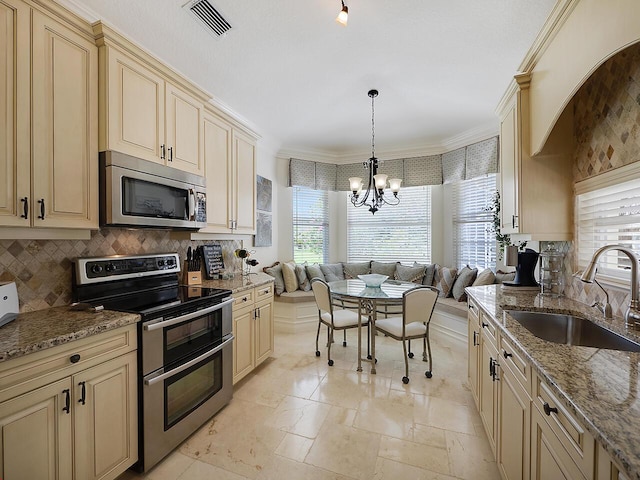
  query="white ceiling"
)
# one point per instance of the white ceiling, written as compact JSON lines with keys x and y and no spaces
{"x":301,"y":80}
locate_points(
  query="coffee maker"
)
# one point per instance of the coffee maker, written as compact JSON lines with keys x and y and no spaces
{"x":525,"y":263}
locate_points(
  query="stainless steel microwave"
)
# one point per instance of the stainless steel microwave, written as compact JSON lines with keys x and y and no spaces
{"x":140,"y":193}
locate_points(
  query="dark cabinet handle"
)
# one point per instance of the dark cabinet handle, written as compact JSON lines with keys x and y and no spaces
{"x":491,"y":367}
{"x":75,"y":358}
{"x":25,"y":206}
{"x":547,"y":409}
{"x":505,"y":354}
{"x":475,"y":336}
{"x":484,"y":325}
{"x":41,"y":202}
{"x":170,"y":154}
{"x":162,"y":152}
{"x":67,"y":401}
{"x":83,"y":393}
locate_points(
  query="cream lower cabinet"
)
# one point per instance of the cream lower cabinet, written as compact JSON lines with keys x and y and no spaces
{"x":71,"y":420}
{"x":230,"y":166}
{"x":473,"y":331}
{"x":144,"y":112}
{"x":252,"y":329}
{"x":49,"y":124}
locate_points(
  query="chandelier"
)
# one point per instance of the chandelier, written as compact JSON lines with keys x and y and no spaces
{"x":374,"y":197}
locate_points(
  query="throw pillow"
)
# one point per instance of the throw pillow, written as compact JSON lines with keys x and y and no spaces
{"x":388,"y":269}
{"x":463,"y":280}
{"x":436,"y":276}
{"x":303,"y":281}
{"x":352,"y":270}
{"x":332,"y":271}
{"x":413,"y":274}
{"x":313,"y":271}
{"x":486,"y":277}
{"x":429,"y":272}
{"x":275,"y":271}
{"x":290,"y":278}
{"x":446,"y":278}
{"x":502,"y":277}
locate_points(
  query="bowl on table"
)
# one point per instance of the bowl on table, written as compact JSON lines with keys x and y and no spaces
{"x":373,"y":279}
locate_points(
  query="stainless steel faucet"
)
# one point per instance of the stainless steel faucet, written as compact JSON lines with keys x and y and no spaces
{"x":632,"y":315}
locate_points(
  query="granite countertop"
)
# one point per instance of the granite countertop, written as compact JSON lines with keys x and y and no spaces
{"x":42,"y":329}
{"x":240,"y":283}
{"x":599,"y":386}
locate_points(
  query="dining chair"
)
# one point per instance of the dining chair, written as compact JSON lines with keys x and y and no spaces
{"x":334,"y":319}
{"x":417,"y":308}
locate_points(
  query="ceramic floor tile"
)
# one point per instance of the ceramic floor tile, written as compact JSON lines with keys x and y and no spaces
{"x":284,"y":469}
{"x":171,"y":467}
{"x":418,"y":455}
{"x":381,"y":415}
{"x":341,"y":416}
{"x":471,"y":457}
{"x":294,"y":447}
{"x":203,"y":471}
{"x":390,"y":470}
{"x":348,"y":388}
{"x":442,"y":413}
{"x":345,"y":450}
{"x":299,"y":416}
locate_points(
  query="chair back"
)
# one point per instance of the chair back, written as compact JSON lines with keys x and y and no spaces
{"x":322,"y":294}
{"x":418,"y":304}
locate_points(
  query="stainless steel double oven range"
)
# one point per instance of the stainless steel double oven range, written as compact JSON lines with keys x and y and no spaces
{"x":185,"y":357}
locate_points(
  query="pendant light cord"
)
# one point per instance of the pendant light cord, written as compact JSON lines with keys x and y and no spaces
{"x":373,"y":129}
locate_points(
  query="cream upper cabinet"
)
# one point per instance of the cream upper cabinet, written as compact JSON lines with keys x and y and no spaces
{"x":536,"y":191}
{"x":143,"y":110}
{"x":230,"y":167}
{"x":50,"y":139}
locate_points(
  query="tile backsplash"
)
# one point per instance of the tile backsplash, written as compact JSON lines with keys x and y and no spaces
{"x":42,"y":268}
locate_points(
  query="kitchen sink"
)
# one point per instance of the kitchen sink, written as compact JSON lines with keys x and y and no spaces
{"x":571,"y":330}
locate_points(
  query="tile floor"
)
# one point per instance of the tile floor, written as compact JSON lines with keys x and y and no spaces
{"x":297,"y":418}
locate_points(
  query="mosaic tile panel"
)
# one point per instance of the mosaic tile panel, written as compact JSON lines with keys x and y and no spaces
{"x":607,"y":116}
{"x":42,"y":268}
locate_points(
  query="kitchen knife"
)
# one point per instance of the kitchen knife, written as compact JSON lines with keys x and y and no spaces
{"x":189,"y":259}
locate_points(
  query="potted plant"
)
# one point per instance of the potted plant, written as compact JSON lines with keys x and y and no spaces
{"x":503,"y":240}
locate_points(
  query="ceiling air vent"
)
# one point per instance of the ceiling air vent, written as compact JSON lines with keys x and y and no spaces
{"x":209,"y":16}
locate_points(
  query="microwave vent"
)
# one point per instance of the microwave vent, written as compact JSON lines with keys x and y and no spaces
{"x":211,"y":18}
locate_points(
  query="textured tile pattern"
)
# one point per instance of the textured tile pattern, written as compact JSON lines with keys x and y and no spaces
{"x":297,"y":418}
{"x":607,"y":116}
{"x":42,"y":268}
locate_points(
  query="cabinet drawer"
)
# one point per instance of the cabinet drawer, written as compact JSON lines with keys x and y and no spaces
{"x":28,"y":372}
{"x":580,"y":445}
{"x":264,"y":292}
{"x":489,"y":331}
{"x":515,"y":362}
{"x":243,"y":299}
{"x":473,"y":312}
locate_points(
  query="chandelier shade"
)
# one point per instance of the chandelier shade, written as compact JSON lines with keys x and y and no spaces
{"x":343,"y":16}
{"x":374,"y":197}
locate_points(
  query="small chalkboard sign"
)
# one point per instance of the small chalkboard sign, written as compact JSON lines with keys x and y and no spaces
{"x":213,"y":263}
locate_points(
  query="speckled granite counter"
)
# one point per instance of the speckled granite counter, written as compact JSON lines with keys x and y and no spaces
{"x":240,"y":283}
{"x":599,"y":386}
{"x":42,"y":329}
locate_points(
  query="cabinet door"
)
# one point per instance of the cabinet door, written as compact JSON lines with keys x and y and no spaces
{"x":264,"y":332}
{"x":514,"y":412}
{"x":65,"y":126}
{"x":244,"y":150}
{"x":183,"y":120}
{"x":106,"y":418}
{"x":243,"y":344}
{"x":509,"y":158}
{"x":15,"y":108}
{"x":488,"y":389}
{"x":473,"y":331}
{"x":134,"y":117}
{"x":35,"y":437}
{"x":217,"y":155}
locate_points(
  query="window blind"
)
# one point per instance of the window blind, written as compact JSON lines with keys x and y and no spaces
{"x":395,"y":233}
{"x":310,"y":225}
{"x":609,"y":215}
{"x":473,"y":243}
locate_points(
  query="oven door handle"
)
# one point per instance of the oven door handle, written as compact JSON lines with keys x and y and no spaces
{"x":183,"y":318}
{"x":190,"y":363}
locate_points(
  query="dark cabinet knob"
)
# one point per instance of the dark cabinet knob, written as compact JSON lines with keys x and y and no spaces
{"x":547,"y":409}
{"x":505,"y":354}
{"x":75,"y":358}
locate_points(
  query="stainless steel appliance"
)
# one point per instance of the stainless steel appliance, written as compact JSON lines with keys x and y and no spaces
{"x":136,"y":192}
{"x":185,"y":347}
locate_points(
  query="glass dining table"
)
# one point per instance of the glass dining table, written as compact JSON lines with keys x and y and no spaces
{"x":370,"y":301}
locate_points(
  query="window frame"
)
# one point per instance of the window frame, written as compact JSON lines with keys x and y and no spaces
{"x":300,"y":220}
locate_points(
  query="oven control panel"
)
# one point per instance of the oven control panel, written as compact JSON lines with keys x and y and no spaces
{"x":92,"y":270}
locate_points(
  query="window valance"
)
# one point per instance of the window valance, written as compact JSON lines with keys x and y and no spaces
{"x":463,"y":163}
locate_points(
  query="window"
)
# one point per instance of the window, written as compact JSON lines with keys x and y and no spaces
{"x":473,"y":242}
{"x":310,"y":225}
{"x":395,"y":233}
{"x":609,"y":215}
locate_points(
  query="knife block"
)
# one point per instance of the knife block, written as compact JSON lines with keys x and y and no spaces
{"x":190,"y":277}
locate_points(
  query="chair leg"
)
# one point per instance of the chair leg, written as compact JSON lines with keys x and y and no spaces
{"x":410,"y":352}
{"x":344,"y":341}
{"x":317,"y":338}
{"x":330,"y":362}
{"x":429,"y":373}
{"x":329,"y":338}
{"x":405,"y":379}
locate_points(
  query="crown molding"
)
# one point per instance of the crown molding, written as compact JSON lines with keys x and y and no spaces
{"x":79,"y":9}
